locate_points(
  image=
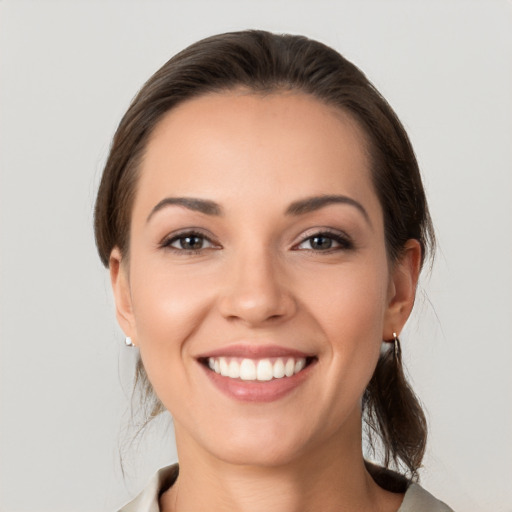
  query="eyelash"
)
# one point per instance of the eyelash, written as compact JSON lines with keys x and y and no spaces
{"x":167,"y":243}
{"x":344,"y":242}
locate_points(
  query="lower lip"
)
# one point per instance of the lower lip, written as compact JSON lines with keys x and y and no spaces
{"x":258,"y":391}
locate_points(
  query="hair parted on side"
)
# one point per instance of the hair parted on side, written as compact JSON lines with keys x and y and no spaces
{"x":263,"y":62}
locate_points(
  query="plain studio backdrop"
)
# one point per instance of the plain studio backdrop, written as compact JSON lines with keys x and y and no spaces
{"x":68,"y":71}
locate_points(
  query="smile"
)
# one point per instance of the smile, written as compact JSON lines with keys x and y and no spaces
{"x":257,"y":373}
{"x":257,"y":369}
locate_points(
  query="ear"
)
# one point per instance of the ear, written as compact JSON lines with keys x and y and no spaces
{"x":402,"y":289}
{"x":122,"y":295}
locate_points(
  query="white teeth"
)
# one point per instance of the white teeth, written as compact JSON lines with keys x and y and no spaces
{"x":247,"y":369}
{"x":261,"y":370}
{"x":224,"y":367}
{"x":234,"y":369}
{"x":264,"y":370}
{"x":278,"y":370}
{"x":289,"y":369}
{"x":299,"y":365}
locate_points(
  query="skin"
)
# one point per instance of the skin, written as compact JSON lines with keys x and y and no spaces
{"x":257,"y":279}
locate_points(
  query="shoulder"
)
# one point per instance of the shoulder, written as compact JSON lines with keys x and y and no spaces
{"x":147,"y":500}
{"x":417,"y":499}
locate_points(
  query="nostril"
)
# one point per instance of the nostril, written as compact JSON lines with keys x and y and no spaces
{"x":257,"y":304}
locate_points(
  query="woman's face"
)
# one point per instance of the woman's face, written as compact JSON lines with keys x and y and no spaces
{"x":258,"y":288}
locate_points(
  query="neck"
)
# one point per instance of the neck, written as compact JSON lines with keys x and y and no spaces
{"x":329,"y":478}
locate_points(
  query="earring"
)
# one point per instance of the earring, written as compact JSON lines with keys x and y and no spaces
{"x":128,"y":342}
{"x":397,"y":349}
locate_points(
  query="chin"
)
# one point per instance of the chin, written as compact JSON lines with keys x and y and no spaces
{"x":270,"y":455}
{"x":262,"y":443}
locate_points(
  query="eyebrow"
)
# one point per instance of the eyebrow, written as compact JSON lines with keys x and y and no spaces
{"x":300,"y":207}
{"x":198,"y":205}
{"x":311,"y":204}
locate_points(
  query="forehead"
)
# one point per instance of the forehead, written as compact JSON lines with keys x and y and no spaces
{"x":233,"y":145}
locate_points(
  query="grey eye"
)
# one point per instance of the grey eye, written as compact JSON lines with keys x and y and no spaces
{"x":189,"y":243}
{"x":326,"y":242}
{"x":320,"y":242}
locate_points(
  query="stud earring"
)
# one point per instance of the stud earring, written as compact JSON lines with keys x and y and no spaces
{"x":128,"y":342}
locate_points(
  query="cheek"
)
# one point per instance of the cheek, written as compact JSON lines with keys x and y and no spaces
{"x":168,"y":300}
{"x":348,"y":299}
{"x":168,"y":307}
{"x":349,"y":307}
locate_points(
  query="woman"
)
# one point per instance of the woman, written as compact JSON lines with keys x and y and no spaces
{"x":264,"y":222}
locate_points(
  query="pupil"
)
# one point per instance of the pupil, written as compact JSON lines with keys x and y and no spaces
{"x":321,"y":242}
{"x":192,"y":242}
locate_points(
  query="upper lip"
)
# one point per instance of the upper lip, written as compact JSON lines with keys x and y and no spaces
{"x":251,"y":351}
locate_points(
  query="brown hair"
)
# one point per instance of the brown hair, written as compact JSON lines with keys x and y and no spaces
{"x":264,"y":62}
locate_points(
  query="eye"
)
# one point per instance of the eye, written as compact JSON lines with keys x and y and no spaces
{"x":325,"y":241}
{"x":190,"y":242}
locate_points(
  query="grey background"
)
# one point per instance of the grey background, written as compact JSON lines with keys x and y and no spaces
{"x":68,"y":70}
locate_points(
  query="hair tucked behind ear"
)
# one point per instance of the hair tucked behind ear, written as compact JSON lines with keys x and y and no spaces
{"x":393,"y":413}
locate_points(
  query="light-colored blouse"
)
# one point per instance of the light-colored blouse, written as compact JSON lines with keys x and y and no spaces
{"x":416,"y":499}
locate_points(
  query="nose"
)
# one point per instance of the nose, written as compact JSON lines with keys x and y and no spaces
{"x":255,"y":291}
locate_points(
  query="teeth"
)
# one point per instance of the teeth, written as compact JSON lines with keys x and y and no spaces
{"x":261,"y":370}
{"x":247,"y":369}
{"x":299,"y":365}
{"x":224,"y":367}
{"x":264,"y":370}
{"x":234,"y":370}
{"x":278,"y":370}
{"x":289,"y":369}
